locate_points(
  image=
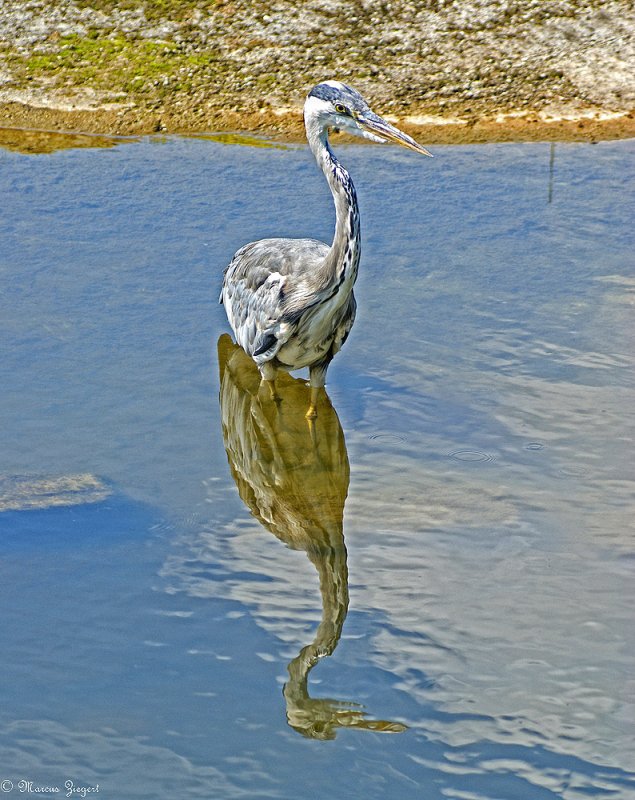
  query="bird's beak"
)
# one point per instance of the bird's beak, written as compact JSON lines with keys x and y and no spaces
{"x":376,"y":126}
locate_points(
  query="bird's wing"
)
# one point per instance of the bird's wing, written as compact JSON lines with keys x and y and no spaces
{"x":257,"y":282}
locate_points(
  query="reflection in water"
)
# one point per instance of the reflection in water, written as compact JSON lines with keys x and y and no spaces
{"x":240,"y":139}
{"x":293,"y":476}
{"x":34,"y":141}
{"x":552,"y":161}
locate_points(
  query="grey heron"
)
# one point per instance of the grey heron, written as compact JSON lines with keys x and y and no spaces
{"x":290,"y":302}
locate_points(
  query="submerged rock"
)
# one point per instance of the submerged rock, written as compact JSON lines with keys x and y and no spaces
{"x":29,"y":492}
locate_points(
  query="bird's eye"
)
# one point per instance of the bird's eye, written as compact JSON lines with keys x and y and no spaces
{"x":341,"y":109}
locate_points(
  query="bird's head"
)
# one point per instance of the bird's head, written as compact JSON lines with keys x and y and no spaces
{"x":335,"y":105}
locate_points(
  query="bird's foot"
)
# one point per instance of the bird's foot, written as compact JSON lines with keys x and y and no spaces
{"x":312,"y":411}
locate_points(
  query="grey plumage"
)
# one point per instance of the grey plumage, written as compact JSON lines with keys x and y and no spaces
{"x":290,"y":302}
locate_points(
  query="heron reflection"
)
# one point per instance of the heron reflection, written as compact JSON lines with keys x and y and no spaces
{"x":295,"y":483}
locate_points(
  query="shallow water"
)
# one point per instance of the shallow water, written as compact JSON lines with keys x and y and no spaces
{"x":449,"y":553}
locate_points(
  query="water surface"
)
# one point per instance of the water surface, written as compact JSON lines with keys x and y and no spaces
{"x":428,"y":595}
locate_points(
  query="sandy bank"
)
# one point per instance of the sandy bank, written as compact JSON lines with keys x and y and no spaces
{"x":470,"y":71}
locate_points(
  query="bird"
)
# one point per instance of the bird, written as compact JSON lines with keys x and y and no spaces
{"x":290,"y":302}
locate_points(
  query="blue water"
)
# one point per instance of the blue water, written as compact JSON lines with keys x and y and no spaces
{"x":484,"y":403}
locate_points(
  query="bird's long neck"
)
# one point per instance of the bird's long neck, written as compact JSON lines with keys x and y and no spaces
{"x":342,"y":261}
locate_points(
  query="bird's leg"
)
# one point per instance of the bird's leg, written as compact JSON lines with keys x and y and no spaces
{"x":311,"y":414}
{"x":271,"y":385}
{"x":268,"y":373}
{"x":317,"y":379}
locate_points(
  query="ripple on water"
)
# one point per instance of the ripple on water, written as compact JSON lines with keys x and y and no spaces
{"x":387,"y":438}
{"x":573,"y":471}
{"x":471,"y":456}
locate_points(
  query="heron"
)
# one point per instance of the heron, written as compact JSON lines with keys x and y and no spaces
{"x":290,"y":302}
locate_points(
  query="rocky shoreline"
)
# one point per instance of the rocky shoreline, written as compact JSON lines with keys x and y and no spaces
{"x":447,"y":71}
